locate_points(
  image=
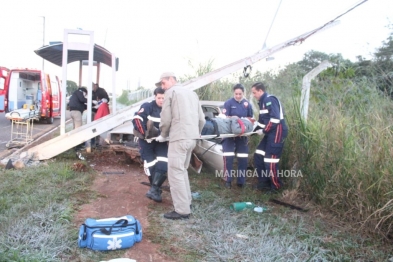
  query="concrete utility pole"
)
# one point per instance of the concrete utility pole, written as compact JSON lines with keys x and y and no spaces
{"x":306,"y":87}
{"x":84,"y":133}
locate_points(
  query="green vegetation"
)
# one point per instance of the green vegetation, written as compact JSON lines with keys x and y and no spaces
{"x":128,"y":98}
{"x":217,"y":233}
{"x":123,"y":99}
{"x":71,"y":87}
{"x":344,"y":151}
{"x":37,"y":205}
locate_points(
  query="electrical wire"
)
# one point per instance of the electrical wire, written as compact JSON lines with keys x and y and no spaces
{"x":326,"y":24}
{"x":274,"y":18}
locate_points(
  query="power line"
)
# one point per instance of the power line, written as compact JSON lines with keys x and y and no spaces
{"x":274,"y":18}
{"x":327,"y":24}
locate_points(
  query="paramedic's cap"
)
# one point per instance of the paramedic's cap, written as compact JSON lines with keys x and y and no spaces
{"x":163,"y":75}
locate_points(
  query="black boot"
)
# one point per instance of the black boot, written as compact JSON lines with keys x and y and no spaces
{"x":174,"y":215}
{"x":151,"y":179}
{"x":155,"y":191}
{"x":151,"y":130}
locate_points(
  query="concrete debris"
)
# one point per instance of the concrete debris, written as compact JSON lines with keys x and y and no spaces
{"x":19,"y":164}
{"x":23,"y":155}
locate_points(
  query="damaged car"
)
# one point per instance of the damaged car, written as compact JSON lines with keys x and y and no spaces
{"x":207,"y":152}
{"x":122,"y":140}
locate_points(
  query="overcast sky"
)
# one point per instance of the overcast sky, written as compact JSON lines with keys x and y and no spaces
{"x":150,"y":37}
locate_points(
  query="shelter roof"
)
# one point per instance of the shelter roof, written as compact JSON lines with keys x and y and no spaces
{"x":54,"y":54}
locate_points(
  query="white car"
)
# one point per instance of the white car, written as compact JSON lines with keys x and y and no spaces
{"x":121,"y":139}
{"x":210,"y":151}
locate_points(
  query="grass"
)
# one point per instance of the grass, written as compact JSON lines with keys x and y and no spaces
{"x":343,"y":150}
{"x":37,"y":206}
{"x":216,"y":233}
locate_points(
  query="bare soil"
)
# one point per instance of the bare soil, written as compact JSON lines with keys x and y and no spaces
{"x":120,"y":192}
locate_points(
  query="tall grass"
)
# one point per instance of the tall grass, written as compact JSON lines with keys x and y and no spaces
{"x":344,"y":150}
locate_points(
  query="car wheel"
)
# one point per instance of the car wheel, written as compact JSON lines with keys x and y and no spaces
{"x":49,"y":120}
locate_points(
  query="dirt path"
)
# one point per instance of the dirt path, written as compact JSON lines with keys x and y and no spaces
{"x":122,"y":194}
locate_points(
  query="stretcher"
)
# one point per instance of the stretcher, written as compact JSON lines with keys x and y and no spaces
{"x":208,"y":137}
{"x":24,"y":113}
{"x":22,"y":123}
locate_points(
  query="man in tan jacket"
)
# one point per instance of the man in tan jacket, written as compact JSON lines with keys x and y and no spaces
{"x":182,"y":120}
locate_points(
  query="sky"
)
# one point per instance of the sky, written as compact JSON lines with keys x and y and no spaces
{"x":154,"y":36}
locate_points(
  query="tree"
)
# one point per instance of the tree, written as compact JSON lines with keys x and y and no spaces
{"x":379,"y":70}
{"x":71,"y":87}
{"x":312,"y":59}
{"x":383,"y":64}
{"x":342,"y":68}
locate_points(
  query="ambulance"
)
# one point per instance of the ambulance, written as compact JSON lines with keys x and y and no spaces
{"x":31,"y":91}
{"x":3,"y":75}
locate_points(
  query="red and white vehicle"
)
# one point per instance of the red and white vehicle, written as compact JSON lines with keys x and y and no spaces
{"x":3,"y":75}
{"x":34,"y":90}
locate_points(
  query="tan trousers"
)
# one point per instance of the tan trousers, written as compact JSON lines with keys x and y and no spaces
{"x":76,"y":118}
{"x":179,"y":155}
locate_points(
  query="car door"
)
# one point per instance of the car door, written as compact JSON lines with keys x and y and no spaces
{"x":210,"y":151}
{"x":55,"y":95}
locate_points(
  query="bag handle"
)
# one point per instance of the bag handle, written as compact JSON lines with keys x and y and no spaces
{"x":123,"y":223}
{"x":84,"y":232}
{"x":136,"y":227}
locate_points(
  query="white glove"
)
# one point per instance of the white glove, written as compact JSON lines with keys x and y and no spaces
{"x":104,"y":100}
{"x":223,"y":116}
{"x":160,"y":139}
{"x":259,"y":132}
{"x":148,"y":140}
{"x":146,"y":169}
{"x":136,"y":139}
{"x":95,"y":102}
{"x":96,"y":107}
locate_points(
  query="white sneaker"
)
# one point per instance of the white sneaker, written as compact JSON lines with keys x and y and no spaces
{"x":80,"y":156}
